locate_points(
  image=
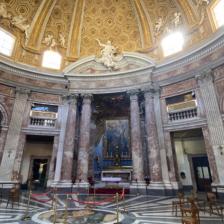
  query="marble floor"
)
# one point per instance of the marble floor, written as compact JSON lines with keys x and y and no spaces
{"x":134,"y":209}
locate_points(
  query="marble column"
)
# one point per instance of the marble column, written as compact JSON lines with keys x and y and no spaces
{"x":62,"y":120}
{"x":161,"y":142}
{"x":3,"y":135}
{"x":152,"y":138}
{"x":211,"y":156}
{"x":136,"y":143}
{"x":53,"y":160}
{"x":22,"y":139}
{"x":19,"y":155}
{"x":84,"y":140}
{"x":13,"y":135}
{"x":69,"y":140}
{"x":171,"y":157}
{"x":52,"y":165}
{"x":214,"y":120}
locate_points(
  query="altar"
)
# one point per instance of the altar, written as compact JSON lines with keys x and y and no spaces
{"x":117,"y":175}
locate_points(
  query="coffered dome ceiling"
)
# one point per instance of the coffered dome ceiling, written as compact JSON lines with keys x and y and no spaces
{"x":72,"y":26}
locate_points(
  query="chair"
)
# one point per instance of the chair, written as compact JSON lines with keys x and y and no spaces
{"x":190,"y":214}
{"x":176,"y":204}
{"x":14,"y":195}
{"x":215,"y":207}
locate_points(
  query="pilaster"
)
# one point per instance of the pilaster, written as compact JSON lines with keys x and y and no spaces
{"x":62,"y":120}
{"x":214,"y":120}
{"x":136,"y":143}
{"x":155,"y":168}
{"x":13,"y":135}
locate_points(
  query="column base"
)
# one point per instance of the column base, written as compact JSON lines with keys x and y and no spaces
{"x":155,"y":188}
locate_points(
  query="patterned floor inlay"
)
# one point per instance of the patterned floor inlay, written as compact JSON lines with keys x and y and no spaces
{"x":134,"y":209}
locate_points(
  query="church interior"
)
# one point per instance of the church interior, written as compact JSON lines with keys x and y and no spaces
{"x":111,"y":111}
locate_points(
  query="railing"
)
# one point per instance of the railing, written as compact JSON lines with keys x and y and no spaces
{"x":182,"y":105}
{"x":42,"y":122}
{"x":187,"y":113}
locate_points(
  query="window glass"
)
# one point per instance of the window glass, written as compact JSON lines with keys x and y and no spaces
{"x":7,"y":42}
{"x":172,"y":43}
{"x":51,"y":59}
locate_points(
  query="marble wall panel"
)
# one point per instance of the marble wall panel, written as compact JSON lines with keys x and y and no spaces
{"x":31,"y":82}
{"x":179,"y":87}
{"x":191,"y":66}
{"x":46,"y":98}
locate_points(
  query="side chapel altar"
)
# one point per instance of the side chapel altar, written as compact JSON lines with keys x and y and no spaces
{"x":115,"y":164}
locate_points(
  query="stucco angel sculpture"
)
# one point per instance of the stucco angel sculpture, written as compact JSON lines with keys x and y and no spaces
{"x":21,"y":23}
{"x":109,"y":55}
{"x":3,"y":11}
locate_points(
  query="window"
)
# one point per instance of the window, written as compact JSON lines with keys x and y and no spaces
{"x":7,"y":42}
{"x":51,"y":59}
{"x":218,"y":12}
{"x":172,"y":43}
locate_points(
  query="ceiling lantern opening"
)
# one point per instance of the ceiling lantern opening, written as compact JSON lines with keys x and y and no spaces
{"x":172,"y":43}
{"x":51,"y":59}
{"x":7,"y":42}
{"x":218,"y":11}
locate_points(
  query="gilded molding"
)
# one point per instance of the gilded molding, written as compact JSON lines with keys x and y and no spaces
{"x":75,"y":31}
{"x":39,"y":23}
{"x":144,"y":24}
{"x":188,"y":11}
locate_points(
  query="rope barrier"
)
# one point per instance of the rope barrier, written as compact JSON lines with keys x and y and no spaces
{"x":110,"y":199}
{"x":34,"y":197}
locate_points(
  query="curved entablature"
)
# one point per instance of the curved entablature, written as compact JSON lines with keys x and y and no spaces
{"x":89,"y":75}
{"x":131,"y":62}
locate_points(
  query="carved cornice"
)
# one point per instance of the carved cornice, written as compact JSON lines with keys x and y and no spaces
{"x":214,"y":43}
{"x":205,"y":76}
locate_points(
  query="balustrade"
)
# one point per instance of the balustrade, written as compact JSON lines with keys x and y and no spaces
{"x":42,"y":122}
{"x":177,"y":115}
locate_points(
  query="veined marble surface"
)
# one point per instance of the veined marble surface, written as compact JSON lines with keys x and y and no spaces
{"x":139,"y":209}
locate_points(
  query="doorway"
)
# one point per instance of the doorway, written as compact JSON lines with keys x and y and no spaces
{"x":202,"y":173}
{"x":38,"y":172}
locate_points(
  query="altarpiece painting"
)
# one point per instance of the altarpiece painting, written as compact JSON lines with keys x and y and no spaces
{"x":116,"y":139}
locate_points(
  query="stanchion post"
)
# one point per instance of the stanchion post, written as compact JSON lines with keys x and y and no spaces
{"x":117,"y":211}
{"x":66,"y":211}
{"x":26,"y":216}
{"x":54,"y":207}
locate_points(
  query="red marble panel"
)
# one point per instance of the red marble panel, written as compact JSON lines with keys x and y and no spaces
{"x":178,"y":87}
{"x":46,"y":98}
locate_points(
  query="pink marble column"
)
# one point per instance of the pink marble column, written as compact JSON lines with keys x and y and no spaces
{"x":136,"y":144}
{"x":19,"y":156}
{"x":3,"y":136}
{"x":13,"y":144}
{"x":84,"y":140}
{"x":152,"y":138}
{"x":67,"y":163}
{"x":211,"y":156}
{"x":53,"y":160}
{"x":171,"y":157}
